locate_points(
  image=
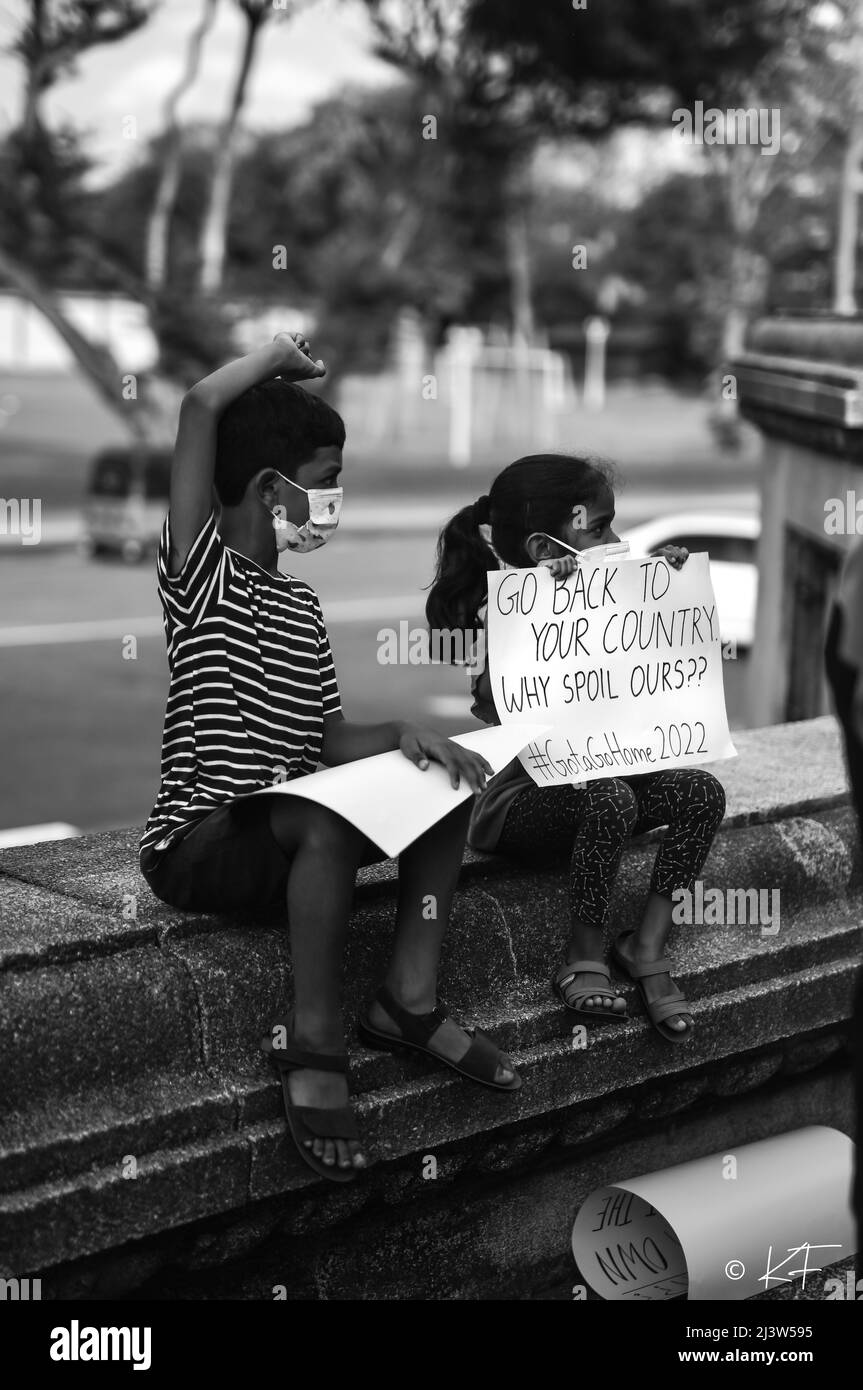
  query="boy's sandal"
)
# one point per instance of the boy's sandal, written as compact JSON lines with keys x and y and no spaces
{"x":573,"y":996}
{"x":480,"y":1062}
{"x":307,"y":1122}
{"x":657,"y":1010}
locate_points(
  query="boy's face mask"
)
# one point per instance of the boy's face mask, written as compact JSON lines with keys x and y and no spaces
{"x":325,"y":504}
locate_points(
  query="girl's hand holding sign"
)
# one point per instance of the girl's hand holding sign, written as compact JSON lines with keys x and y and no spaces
{"x":560,"y":567}
{"x":676,"y":555}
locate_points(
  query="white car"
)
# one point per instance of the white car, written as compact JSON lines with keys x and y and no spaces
{"x":731,"y":541}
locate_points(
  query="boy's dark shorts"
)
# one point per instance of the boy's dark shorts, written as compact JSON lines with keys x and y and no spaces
{"x":228,"y":861}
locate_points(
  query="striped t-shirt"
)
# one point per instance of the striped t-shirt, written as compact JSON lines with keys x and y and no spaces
{"x":252,"y":678}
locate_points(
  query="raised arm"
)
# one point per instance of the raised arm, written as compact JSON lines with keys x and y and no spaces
{"x":195,"y":448}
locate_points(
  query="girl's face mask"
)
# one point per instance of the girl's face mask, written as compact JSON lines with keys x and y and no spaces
{"x":325,"y":504}
{"x":594,"y":554}
{"x":485,"y":531}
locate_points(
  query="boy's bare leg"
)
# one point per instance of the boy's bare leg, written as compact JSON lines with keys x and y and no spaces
{"x":326,"y":853}
{"x":428,"y":875}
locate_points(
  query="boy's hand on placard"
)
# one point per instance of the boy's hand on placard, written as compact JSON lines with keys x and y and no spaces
{"x":422,"y":746}
{"x":297,"y":363}
{"x":561,"y":566}
{"x":676,"y":555}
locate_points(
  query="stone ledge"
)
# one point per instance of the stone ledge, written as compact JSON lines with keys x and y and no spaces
{"x":140,"y":1035}
{"x":495,"y":1223}
{"x":805,"y":389}
{"x":801,"y":379}
{"x":66,"y":901}
{"x":823,"y":338}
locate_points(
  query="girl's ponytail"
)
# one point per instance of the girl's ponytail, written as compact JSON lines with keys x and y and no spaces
{"x":462,"y":562}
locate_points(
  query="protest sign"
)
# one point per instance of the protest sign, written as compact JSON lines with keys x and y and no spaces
{"x":727,"y":1226}
{"x":622,"y":658}
{"x":390,"y":799}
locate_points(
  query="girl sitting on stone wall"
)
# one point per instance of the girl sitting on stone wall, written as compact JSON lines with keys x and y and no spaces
{"x":543,"y":510}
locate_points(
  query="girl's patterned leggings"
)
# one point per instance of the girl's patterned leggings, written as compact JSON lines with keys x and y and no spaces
{"x":590,"y":824}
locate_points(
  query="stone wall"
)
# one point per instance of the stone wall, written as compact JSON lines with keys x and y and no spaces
{"x":129,"y":1045}
{"x":801,"y":383}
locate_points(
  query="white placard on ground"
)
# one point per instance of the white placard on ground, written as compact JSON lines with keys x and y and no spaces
{"x":729,"y":1226}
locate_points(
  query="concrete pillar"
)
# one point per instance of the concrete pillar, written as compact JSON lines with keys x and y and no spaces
{"x":800,"y":381}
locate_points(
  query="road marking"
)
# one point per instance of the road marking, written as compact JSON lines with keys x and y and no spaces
{"x":104,"y":630}
{"x":35,"y":834}
{"x":449,"y":706}
{"x":349,"y":610}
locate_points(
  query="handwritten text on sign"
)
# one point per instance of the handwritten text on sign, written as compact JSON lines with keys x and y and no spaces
{"x":625,"y":1248}
{"x":623,"y":659}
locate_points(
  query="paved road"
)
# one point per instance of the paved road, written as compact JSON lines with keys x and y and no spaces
{"x":81,"y":729}
{"x":81,"y":732}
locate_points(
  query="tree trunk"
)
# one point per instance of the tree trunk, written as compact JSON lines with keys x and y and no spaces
{"x":158,"y":230}
{"x":746,"y":180}
{"x":517,"y":240}
{"x":405,"y":226}
{"x":748,"y":273}
{"x":845,"y":263}
{"x":214,"y":231}
{"x":33,"y":71}
{"x":520,"y":277}
{"x":96,"y":362}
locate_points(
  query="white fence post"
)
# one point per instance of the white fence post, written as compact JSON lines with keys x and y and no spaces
{"x":462,"y":347}
{"x":596,"y":331}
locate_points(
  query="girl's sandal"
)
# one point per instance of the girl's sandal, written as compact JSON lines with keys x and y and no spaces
{"x":573,"y":998}
{"x":657,"y":1010}
{"x":480,"y":1062}
{"x":308,"y":1122}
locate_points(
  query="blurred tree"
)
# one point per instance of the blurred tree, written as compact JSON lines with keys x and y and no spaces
{"x":215,"y":223}
{"x":632,"y":60}
{"x":847,"y":50}
{"x":359,"y":215}
{"x":508,"y":74}
{"x":55,"y":232}
{"x":194,"y":332}
{"x":490,"y":126}
{"x":604,"y":65}
{"x":671,"y":250}
{"x":171,"y":154}
{"x":118,"y":213}
{"x":54,"y":35}
{"x":674,"y":245}
{"x":42,"y":229}
{"x":804,"y":82}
